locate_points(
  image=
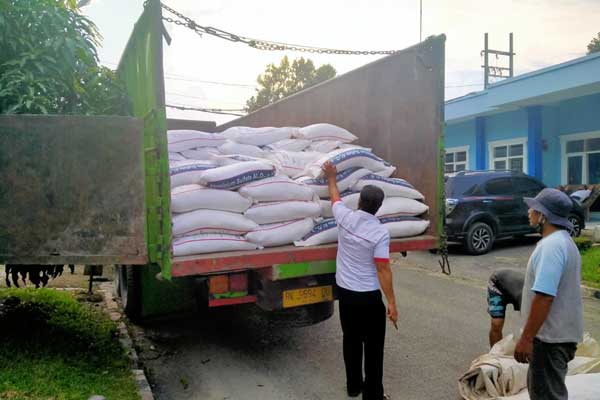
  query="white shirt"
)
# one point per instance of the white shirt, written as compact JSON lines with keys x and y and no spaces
{"x":362,"y":239}
{"x":581,"y":195}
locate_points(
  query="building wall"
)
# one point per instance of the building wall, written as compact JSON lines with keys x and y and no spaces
{"x":462,"y":134}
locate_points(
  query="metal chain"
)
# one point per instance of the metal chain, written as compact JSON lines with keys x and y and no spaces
{"x":261,"y":44}
{"x":443,"y":250}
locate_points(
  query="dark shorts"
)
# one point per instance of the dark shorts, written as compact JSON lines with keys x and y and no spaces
{"x":496,"y":301}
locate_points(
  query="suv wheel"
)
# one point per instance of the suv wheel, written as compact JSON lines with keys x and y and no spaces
{"x":576,"y":231}
{"x":480,"y":238}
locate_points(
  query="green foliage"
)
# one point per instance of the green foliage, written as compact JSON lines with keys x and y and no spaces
{"x":52,"y":345}
{"x":594,"y":45}
{"x":288,"y":78}
{"x":590,"y":267}
{"x":49,"y":63}
{"x":583,"y":243}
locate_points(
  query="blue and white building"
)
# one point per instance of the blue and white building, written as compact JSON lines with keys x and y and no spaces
{"x":545,"y":123}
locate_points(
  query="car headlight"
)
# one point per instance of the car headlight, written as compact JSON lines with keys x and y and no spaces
{"x":450,"y":205}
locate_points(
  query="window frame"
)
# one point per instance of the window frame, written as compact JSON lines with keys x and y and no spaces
{"x":454,"y":150}
{"x":564,"y":157}
{"x":507,"y":143}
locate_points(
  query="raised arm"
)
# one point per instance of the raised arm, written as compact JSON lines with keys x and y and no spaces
{"x":330,"y":173}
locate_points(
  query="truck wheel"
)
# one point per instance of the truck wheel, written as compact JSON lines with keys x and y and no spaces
{"x":480,"y":238}
{"x":298,"y":317}
{"x":129,"y":287}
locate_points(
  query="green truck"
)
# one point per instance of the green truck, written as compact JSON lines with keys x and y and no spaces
{"x":95,"y":190}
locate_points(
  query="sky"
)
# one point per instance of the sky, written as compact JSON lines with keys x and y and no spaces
{"x":546,"y":32}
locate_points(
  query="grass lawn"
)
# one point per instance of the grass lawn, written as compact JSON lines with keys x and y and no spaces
{"x":590,"y":267}
{"x":55,"y":348}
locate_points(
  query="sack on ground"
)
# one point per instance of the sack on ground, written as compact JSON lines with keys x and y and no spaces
{"x":201,"y":153}
{"x":188,"y":171}
{"x":401,"y":207}
{"x":211,"y":221}
{"x":230,"y":147}
{"x":280,"y":233}
{"x":293,"y":163}
{"x":345,"y":180}
{"x":280,"y":211}
{"x":180,"y":140}
{"x":348,"y":158}
{"x":277,"y":188}
{"x":325,"y":132}
{"x":399,"y":227}
{"x":289,"y":145}
{"x":324,"y":232}
{"x":235,"y":175}
{"x":258,"y":136}
{"x":194,"y":197}
{"x":392,"y":187}
{"x":210,"y":243}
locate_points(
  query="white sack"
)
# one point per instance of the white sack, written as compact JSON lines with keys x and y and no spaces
{"x":324,"y":232}
{"x":280,"y":233}
{"x":235,"y":175}
{"x":354,"y":146}
{"x":392,"y":187}
{"x":211,"y":221}
{"x":401,"y":207}
{"x":293,"y":163}
{"x":230,"y":147}
{"x":347,"y":158}
{"x":176,"y":157}
{"x":180,"y":140}
{"x":580,"y":387}
{"x":280,"y":211}
{"x":200,"y":153}
{"x":386,"y":172}
{"x":187,"y":172}
{"x":399,"y":227}
{"x":289,"y":145}
{"x":345,"y":180}
{"x":258,"y":136}
{"x":325,"y":146}
{"x":210,"y":243}
{"x":194,"y":197}
{"x":277,"y":188}
{"x":350,"y":199}
{"x":325,"y":132}
{"x":228,"y":159}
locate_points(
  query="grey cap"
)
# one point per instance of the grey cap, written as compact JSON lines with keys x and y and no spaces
{"x":554,"y":204}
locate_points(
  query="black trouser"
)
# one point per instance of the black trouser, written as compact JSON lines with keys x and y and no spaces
{"x":547,"y":370}
{"x":363,"y":319}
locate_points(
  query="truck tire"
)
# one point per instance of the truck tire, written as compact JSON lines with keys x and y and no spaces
{"x":480,"y":238}
{"x":298,"y":317}
{"x":129,"y":288}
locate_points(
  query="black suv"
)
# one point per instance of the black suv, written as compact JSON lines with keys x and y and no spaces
{"x":482,"y":206}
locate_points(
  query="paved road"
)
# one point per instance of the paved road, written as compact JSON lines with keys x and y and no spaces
{"x":235,"y":355}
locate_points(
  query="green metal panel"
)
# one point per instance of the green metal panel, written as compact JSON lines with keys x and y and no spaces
{"x":142,"y":71}
{"x":296,"y":270}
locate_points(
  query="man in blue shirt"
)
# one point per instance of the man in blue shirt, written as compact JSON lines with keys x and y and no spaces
{"x":551,"y":299}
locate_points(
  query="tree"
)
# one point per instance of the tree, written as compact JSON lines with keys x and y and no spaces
{"x":594,"y":45}
{"x":49,"y":63}
{"x":281,"y":81}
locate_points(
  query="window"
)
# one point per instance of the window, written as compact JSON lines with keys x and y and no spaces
{"x":581,"y":158}
{"x":509,"y":155}
{"x":457,"y":159}
{"x":499,"y":186}
{"x":527,"y":187}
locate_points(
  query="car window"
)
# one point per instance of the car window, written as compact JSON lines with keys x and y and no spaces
{"x":499,"y":186}
{"x":527,"y":187}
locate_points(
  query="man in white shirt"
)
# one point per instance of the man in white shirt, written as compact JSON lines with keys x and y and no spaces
{"x":581,"y":195}
{"x":363,"y":268}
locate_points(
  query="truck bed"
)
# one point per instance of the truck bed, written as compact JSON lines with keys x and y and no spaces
{"x":244,"y":260}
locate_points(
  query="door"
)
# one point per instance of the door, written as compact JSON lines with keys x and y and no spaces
{"x":525,"y":187}
{"x":501,"y":202}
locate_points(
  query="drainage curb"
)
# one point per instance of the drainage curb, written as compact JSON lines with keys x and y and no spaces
{"x":114,"y":312}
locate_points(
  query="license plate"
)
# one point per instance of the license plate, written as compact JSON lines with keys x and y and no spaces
{"x":300,"y":297}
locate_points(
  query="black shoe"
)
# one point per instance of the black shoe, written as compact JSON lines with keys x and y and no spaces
{"x":355,"y":393}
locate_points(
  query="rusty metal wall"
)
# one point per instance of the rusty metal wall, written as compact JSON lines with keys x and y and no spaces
{"x":205,"y":126}
{"x":394,"y":105}
{"x":71,"y":190}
